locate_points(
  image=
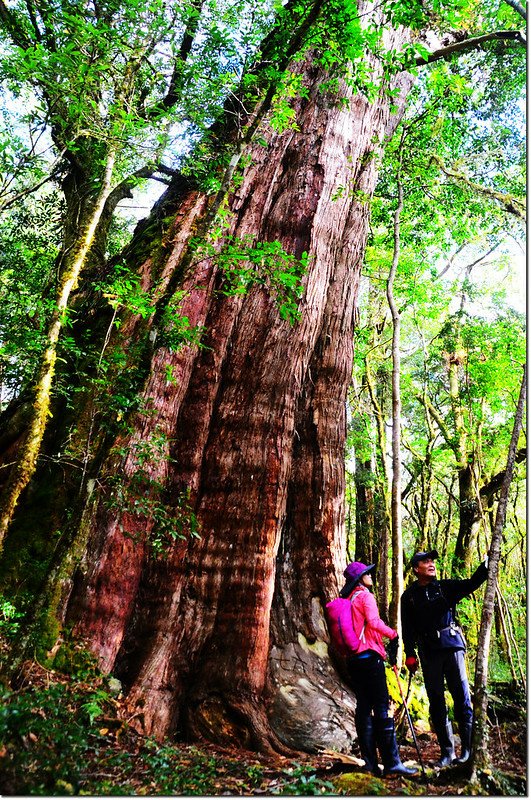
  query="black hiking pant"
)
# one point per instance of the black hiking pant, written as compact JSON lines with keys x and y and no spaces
{"x":439,"y":666}
{"x":367,"y":678}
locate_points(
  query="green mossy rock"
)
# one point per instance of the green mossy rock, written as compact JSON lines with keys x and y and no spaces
{"x":360,"y":784}
{"x":363,"y":784}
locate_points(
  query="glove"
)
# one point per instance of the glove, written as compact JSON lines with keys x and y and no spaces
{"x":412,"y":664}
{"x":392,"y":651}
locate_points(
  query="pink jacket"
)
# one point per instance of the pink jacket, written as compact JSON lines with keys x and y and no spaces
{"x":365,"y":610}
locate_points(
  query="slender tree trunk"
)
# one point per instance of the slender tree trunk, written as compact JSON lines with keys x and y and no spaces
{"x":397,"y":581}
{"x":505,"y":638}
{"x":469,"y":519}
{"x":426,"y":538}
{"x":26,"y":459}
{"x":479,"y":761}
{"x":469,"y":507}
{"x":366,"y":542}
{"x":373,"y":481}
{"x":382,"y":515}
{"x":427,"y":500}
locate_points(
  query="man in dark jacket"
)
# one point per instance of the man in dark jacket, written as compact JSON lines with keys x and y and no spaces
{"x":429,"y":625}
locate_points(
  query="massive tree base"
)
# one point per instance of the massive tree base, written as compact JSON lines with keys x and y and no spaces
{"x":311,"y":709}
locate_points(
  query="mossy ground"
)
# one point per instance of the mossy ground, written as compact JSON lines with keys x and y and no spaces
{"x":69,"y":735}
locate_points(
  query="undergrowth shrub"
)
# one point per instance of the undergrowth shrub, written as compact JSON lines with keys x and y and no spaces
{"x":61,"y":737}
{"x":46,"y":734}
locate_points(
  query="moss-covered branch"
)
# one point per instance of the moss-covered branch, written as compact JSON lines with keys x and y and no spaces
{"x":472,"y":43}
{"x":510,"y":203}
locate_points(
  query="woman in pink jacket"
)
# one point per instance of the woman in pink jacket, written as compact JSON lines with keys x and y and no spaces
{"x":367,"y":674}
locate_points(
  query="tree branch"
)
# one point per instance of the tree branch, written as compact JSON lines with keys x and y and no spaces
{"x":426,"y":402}
{"x":174,"y":91}
{"x":33,"y":18}
{"x":33,"y":188}
{"x":448,"y":490}
{"x":164,"y":170}
{"x":9,"y":22}
{"x":496,"y":481}
{"x":47,"y":16}
{"x":470,"y":44}
{"x":451,"y":260}
{"x":192,"y":25}
{"x":511,"y":203}
{"x":123,"y":189}
{"x":518,"y":7}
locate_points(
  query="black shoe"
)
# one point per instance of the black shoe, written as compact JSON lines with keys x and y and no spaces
{"x":367,"y":744}
{"x":401,"y":769}
{"x":375,"y":770}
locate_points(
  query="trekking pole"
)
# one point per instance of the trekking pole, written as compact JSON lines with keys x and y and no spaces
{"x":410,"y":721}
{"x":408,"y":687}
{"x":405,"y":701}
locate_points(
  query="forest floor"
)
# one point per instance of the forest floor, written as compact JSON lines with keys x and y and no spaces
{"x":65,"y":737}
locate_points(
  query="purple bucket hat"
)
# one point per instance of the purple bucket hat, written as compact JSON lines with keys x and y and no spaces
{"x":355,"y":570}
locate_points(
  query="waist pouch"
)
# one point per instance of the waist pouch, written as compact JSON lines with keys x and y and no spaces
{"x":449,"y":638}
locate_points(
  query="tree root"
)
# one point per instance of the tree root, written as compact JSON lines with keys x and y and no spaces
{"x":231,"y":722}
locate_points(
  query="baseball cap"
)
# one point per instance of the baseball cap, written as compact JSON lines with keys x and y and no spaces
{"x":421,"y":556}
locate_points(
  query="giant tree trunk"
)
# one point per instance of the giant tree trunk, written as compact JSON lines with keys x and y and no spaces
{"x":224,"y":637}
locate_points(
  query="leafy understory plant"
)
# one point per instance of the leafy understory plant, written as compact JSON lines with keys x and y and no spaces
{"x":143,"y":498}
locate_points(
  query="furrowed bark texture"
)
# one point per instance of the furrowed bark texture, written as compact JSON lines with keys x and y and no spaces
{"x":224,"y":637}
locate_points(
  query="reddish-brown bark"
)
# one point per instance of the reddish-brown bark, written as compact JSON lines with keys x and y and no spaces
{"x":256,"y":422}
{"x":211,"y":639}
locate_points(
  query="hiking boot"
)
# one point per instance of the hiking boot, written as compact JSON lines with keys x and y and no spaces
{"x":445,"y":737}
{"x":386,"y":739}
{"x":367,"y":743}
{"x":465,"y":734}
